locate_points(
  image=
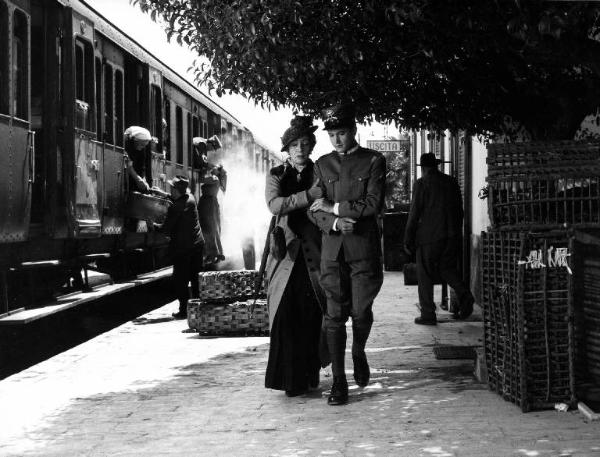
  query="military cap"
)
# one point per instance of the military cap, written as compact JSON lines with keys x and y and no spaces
{"x":339,"y":116}
{"x":299,"y":126}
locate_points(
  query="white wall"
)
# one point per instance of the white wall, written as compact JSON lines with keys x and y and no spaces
{"x":479,"y":208}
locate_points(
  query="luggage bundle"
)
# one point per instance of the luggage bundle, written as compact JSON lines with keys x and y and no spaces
{"x":229,"y":304}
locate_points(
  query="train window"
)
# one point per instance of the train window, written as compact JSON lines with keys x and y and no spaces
{"x":156,"y":113}
{"x":4,"y":91}
{"x":189,"y":138}
{"x":179,"y":134}
{"x":167,"y":129}
{"x":98,"y":70}
{"x":84,"y":85}
{"x":20,"y":65}
{"x":205,"y":128}
{"x":119,"y":118}
{"x":108,"y":105}
{"x":195,"y":127}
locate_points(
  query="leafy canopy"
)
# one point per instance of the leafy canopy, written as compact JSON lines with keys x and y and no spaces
{"x":438,"y":64}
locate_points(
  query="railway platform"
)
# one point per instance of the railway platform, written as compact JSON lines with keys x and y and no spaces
{"x":150,"y":388}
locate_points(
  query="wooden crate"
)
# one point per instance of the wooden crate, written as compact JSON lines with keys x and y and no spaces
{"x":528,"y":317}
{"x":545,"y":197}
{"x":516,"y":157}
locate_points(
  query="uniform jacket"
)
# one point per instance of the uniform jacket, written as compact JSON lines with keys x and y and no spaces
{"x":182,"y":224}
{"x":300,"y":233}
{"x":356,"y":181}
{"x":436,"y":211}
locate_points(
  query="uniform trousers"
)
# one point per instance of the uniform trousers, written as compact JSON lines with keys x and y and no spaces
{"x":186,"y":267}
{"x":350,"y":288}
{"x":436,"y":262}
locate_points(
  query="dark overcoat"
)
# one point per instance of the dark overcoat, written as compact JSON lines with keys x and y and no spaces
{"x":436,"y":211}
{"x":304,"y":235}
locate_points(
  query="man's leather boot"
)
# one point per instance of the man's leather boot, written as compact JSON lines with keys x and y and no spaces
{"x":360,"y":333}
{"x":339,"y":391}
{"x":336,"y":341}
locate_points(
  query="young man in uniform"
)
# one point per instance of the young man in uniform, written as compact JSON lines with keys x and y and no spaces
{"x":353,"y":181}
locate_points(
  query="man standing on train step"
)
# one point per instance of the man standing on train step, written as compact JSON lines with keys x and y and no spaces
{"x":186,"y":242}
{"x":353,"y":180}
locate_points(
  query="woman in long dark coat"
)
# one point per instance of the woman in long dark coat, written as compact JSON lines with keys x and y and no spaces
{"x":296,"y":300}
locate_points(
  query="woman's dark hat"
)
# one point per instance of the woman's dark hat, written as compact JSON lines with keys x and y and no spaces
{"x":429,"y":160}
{"x":179,"y":182}
{"x":299,"y":126}
{"x":339,"y":116}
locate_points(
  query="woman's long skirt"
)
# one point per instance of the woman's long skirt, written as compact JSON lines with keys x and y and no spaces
{"x":294,"y":348}
{"x":210,"y":222}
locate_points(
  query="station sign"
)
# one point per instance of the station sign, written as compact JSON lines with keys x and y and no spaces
{"x":388,"y":145}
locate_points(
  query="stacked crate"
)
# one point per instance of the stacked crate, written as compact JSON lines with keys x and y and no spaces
{"x":528,"y":319}
{"x":228,"y":304}
{"x":536,"y":192}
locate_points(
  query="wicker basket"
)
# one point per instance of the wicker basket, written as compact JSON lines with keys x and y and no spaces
{"x":250,"y":317}
{"x":228,"y":305}
{"x":528,"y":318}
{"x":229,"y":286}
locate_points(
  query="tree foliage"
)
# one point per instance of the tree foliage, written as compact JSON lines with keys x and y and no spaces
{"x":437,"y":64}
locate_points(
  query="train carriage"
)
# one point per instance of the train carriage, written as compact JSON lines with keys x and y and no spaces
{"x":70,"y":83}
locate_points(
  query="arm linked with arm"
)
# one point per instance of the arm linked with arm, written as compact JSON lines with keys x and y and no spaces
{"x":372,"y":203}
{"x":277,"y":203}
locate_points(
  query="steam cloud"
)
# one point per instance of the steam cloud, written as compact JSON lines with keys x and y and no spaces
{"x":244,"y":214}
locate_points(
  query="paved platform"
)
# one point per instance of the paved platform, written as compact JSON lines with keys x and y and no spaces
{"x":147,"y":388}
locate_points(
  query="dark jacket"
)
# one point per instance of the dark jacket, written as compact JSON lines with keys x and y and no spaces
{"x":357,"y":182}
{"x":436,"y":211}
{"x":182,"y":224}
{"x":286,"y":197}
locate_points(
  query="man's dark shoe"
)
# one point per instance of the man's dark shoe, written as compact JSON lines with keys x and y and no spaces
{"x":361,"y":371}
{"x":313,"y":379}
{"x":339,"y":391}
{"x":465,"y":308}
{"x":180,"y":315}
{"x":426,"y":320}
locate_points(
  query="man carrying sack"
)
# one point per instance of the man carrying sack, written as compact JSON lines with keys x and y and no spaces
{"x":186,"y":242}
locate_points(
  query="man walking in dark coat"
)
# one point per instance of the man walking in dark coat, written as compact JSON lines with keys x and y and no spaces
{"x":186,"y":242}
{"x":434,"y":229}
{"x":352,"y":179}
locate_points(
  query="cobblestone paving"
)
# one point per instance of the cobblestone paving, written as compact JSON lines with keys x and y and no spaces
{"x":148,"y":389}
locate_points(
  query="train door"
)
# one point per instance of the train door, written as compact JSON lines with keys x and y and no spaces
{"x":87,"y":153}
{"x":16,"y":147}
{"x":110,"y":100}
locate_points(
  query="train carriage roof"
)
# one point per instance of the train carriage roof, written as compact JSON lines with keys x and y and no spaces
{"x":119,"y":37}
